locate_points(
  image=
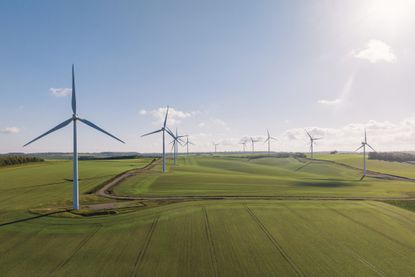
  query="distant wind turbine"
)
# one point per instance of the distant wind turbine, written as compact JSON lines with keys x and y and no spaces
{"x":243,"y":142}
{"x":253,"y":143}
{"x":176,"y":140}
{"x":312,"y":141}
{"x":74,"y":120}
{"x":269,"y":138}
{"x":163,"y":129}
{"x":216,"y":145}
{"x":187,"y":144}
{"x":364,"y":144}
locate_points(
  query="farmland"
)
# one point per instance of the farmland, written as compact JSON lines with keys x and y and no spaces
{"x":229,"y":237}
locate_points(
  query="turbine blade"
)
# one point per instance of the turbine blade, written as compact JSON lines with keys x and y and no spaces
{"x":361,"y":146}
{"x":265,"y":141}
{"x":170,"y":133}
{"x":152,"y":133}
{"x":274,"y":138}
{"x":317,"y":138}
{"x":268,"y":133}
{"x":89,"y":123}
{"x":165,"y":119}
{"x":73,"y":91}
{"x":370,"y":147}
{"x":365,"y":136}
{"x":63,"y":124}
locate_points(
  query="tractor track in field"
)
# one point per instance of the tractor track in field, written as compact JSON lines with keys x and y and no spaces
{"x":274,"y":242}
{"x":79,"y":247}
{"x":371,"y":228}
{"x":143,"y":250}
{"x":388,"y":208}
{"x":214,"y":260}
{"x":361,"y":259}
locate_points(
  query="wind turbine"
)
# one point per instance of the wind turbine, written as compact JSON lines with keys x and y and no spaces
{"x":253,"y":143}
{"x":269,"y":138}
{"x":243,"y":145}
{"x":176,"y":140}
{"x":74,"y":119}
{"x":187,"y":144}
{"x":216,"y":145}
{"x":364,"y":144}
{"x":312,"y":140}
{"x":163,"y":129}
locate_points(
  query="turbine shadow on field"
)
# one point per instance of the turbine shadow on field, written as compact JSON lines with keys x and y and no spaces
{"x":30,"y":218}
{"x":301,"y":167}
{"x":334,"y":184}
{"x":332,"y":179}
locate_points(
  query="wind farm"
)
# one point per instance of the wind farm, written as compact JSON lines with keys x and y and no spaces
{"x":232,"y":146}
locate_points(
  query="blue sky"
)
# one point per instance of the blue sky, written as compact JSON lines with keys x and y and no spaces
{"x":229,"y":69}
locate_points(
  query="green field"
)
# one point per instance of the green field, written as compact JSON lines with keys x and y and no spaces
{"x":208,"y":237}
{"x":262,"y":177}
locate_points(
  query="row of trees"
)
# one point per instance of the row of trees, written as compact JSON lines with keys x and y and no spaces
{"x":392,"y":156}
{"x":13,"y":160}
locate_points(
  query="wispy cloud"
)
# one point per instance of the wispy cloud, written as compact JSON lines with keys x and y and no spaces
{"x":175,"y":116}
{"x":343,"y":94}
{"x":60,"y":92}
{"x":376,"y":51}
{"x":329,"y":102}
{"x":10,"y":130}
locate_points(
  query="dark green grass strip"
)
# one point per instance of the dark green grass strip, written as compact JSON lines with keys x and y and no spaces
{"x":405,"y":204}
{"x":214,"y":262}
{"x":143,"y":250}
{"x":274,"y":241}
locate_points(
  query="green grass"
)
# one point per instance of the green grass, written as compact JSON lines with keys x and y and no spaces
{"x":229,"y":238}
{"x":356,"y":160}
{"x":207,"y":238}
{"x":32,"y":185}
{"x":261,"y":177}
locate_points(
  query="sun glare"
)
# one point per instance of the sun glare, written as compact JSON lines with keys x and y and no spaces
{"x":391,"y":11}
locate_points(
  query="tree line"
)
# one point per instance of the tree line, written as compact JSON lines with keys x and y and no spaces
{"x":13,"y":160}
{"x":392,"y":156}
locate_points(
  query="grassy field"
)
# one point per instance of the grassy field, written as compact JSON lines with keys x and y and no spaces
{"x":32,"y":185}
{"x":262,"y":177}
{"x":208,"y":238}
{"x":356,"y":160}
{"x":226,"y":238}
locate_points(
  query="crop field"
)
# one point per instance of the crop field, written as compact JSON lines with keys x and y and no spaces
{"x":231,"y":176}
{"x":356,"y":160}
{"x":227,"y":237}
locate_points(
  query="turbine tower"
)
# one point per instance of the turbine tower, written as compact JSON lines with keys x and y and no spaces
{"x":364,"y":144}
{"x":216,"y":145}
{"x":74,"y":119}
{"x":269,"y":138}
{"x":312,"y":141}
{"x":253,"y":143}
{"x":187,"y":144}
{"x":163,"y":129}
{"x":243,"y":145}
{"x":176,"y":140}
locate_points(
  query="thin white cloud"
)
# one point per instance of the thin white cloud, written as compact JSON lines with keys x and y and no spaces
{"x":329,"y":102}
{"x":376,"y":51}
{"x":10,"y":130}
{"x":175,"y":116}
{"x":347,"y":88}
{"x":60,"y":92}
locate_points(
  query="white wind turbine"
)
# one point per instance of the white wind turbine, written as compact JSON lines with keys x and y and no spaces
{"x":253,"y":143}
{"x":312,"y":140}
{"x":163,"y":129}
{"x":176,"y":140}
{"x":269,"y":138}
{"x":74,"y":120}
{"x":243,"y":142}
{"x":187,"y":144}
{"x":216,"y":146}
{"x":364,"y":144}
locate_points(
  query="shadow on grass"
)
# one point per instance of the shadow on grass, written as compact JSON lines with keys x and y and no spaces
{"x":31,"y":218}
{"x":334,"y":184}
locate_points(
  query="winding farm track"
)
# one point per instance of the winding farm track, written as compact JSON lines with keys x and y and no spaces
{"x":106,"y":190}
